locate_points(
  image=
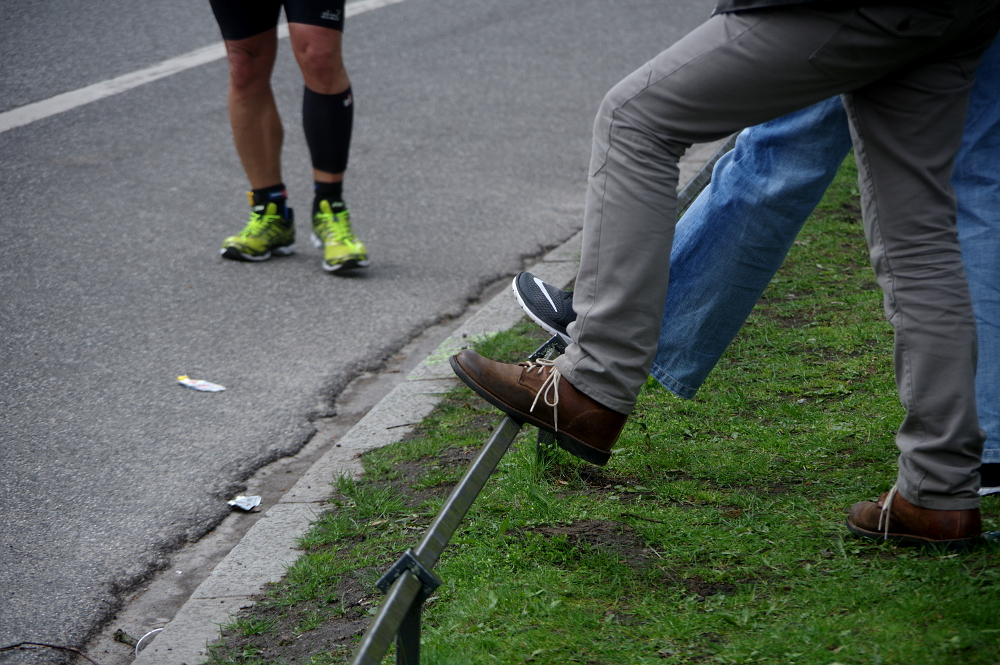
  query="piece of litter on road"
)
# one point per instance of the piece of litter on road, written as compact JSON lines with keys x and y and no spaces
{"x":245,"y":502}
{"x":138,"y":645}
{"x":123,"y":637}
{"x":199,"y":384}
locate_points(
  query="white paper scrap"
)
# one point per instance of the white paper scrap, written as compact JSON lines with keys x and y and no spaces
{"x":199,"y":384}
{"x":245,"y":502}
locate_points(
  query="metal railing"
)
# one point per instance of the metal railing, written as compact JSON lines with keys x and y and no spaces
{"x":411,"y":580}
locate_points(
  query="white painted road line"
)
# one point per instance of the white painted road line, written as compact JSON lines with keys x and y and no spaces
{"x":70,"y":100}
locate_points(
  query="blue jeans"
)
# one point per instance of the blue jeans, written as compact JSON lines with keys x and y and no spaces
{"x":735,"y":236}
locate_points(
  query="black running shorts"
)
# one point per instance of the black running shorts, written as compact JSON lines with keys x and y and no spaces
{"x":240,"y":19}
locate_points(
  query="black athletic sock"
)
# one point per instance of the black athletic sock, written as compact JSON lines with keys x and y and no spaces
{"x":327,"y":191}
{"x":274,"y":194}
{"x":328,"y":120}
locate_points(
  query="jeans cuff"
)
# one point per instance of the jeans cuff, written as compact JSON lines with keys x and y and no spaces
{"x":676,"y":387}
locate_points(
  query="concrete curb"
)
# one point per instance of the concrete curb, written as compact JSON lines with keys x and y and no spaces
{"x":263,"y":555}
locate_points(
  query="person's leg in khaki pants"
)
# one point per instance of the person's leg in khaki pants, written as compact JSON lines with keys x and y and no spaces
{"x":742,"y":69}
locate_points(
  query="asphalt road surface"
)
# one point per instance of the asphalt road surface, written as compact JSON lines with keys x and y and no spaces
{"x":471,"y":144}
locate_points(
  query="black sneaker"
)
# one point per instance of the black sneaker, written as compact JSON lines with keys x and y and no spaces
{"x":549,"y":307}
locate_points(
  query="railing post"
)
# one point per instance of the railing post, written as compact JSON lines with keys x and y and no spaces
{"x":405,"y":590}
{"x":408,"y":638}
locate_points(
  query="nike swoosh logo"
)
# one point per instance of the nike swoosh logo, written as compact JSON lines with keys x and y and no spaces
{"x":545,"y":292}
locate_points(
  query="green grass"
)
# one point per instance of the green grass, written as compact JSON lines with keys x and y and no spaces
{"x":715,"y":534}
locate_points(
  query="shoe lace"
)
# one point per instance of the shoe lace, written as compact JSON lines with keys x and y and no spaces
{"x":260,"y":224}
{"x":337,"y":225}
{"x":549,"y":390}
{"x":340,"y":226}
{"x":886,"y":509}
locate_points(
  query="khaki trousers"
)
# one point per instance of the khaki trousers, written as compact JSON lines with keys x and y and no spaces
{"x":904,"y":74}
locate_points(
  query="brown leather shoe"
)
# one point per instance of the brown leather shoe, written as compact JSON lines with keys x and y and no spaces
{"x":534,"y":392}
{"x":913,"y":525}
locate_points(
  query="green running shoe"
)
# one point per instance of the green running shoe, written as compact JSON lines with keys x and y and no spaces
{"x":332,"y":231}
{"x":267,"y":232}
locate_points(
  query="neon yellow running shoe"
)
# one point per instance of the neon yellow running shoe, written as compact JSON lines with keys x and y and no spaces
{"x":332,"y":231}
{"x":267,"y":232}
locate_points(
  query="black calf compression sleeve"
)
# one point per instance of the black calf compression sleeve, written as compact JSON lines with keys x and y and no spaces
{"x":328,"y":120}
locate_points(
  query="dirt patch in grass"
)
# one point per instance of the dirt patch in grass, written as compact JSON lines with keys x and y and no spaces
{"x":615,"y":537}
{"x":456,"y":457}
{"x":480,"y":424}
{"x":703,"y":589}
{"x":599,"y":480}
{"x":408,"y":477}
{"x":298,"y":633}
{"x":632,"y":551}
